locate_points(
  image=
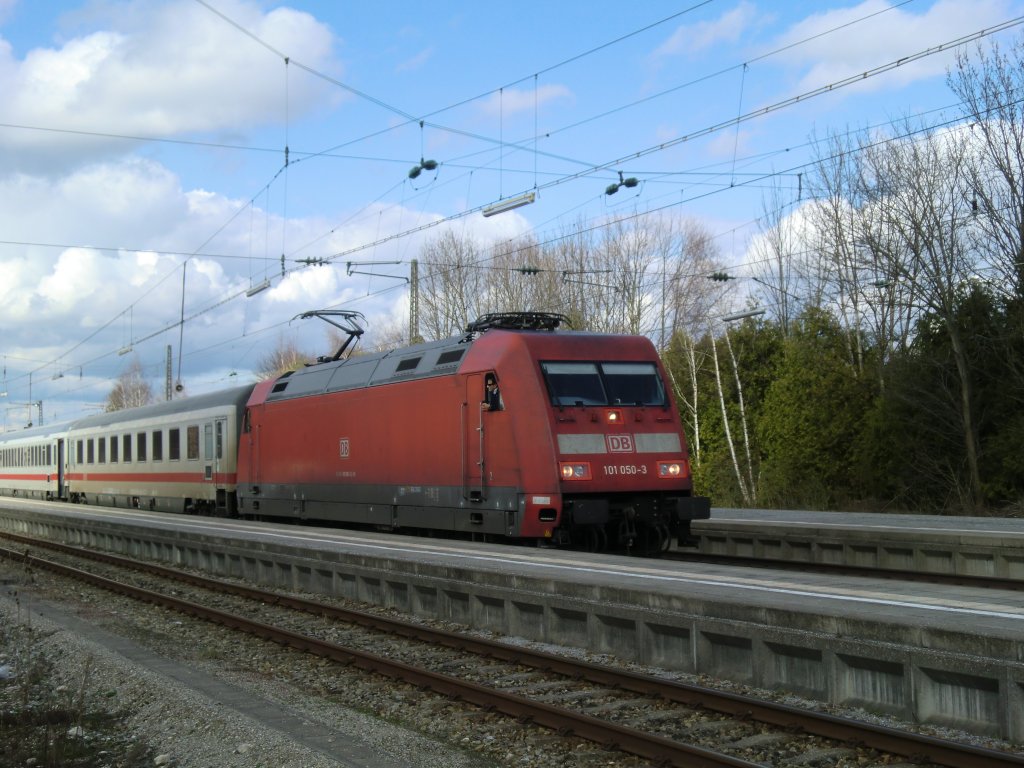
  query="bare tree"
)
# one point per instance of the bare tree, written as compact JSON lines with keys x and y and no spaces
{"x":925,"y":207}
{"x":835,"y":221}
{"x":687,"y":299}
{"x":682,"y":353}
{"x":746,"y":491}
{"x":891,"y":299}
{"x":131,"y":390}
{"x":524,"y":277}
{"x":572,"y":255}
{"x":284,"y":357}
{"x":989,"y":85}
{"x":452,"y":285}
{"x":685,"y":255}
{"x":853,"y":248}
{"x":391,"y":335}
{"x":776,"y":262}
{"x":629,"y":255}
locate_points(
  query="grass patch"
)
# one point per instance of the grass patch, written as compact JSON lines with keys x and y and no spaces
{"x":59,"y":716}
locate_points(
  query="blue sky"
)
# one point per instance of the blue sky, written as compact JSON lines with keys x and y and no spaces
{"x":141,"y":142}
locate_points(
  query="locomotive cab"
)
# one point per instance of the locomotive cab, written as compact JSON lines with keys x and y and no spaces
{"x":622,"y":461}
{"x":595,"y":437}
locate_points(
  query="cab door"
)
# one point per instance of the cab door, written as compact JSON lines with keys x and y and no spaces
{"x":473,"y":459}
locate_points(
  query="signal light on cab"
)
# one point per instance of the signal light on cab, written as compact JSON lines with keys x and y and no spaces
{"x":673,"y":469}
{"x":574,"y":470}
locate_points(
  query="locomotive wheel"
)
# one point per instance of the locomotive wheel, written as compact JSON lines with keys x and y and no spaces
{"x":666,"y":538}
{"x":650,"y":540}
{"x":590,"y":538}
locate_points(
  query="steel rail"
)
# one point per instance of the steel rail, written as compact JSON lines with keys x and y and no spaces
{"x":882,"y":738}
{"x":565,"y":721}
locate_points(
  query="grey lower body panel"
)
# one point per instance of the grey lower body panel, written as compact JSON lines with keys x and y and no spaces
{"x":426,"y":507}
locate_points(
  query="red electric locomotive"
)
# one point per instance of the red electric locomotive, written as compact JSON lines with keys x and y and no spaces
{"x":583,"y":447}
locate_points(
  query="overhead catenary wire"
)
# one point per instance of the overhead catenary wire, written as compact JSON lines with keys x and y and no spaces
{"x":377,"y":242}
{"x":761,"y":177}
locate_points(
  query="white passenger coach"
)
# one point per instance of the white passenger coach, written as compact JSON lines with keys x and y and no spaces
{"x":177,"y":456}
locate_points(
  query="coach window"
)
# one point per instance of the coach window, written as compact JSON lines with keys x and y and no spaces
{"x":174,"y":444}
{"x":101,"y":450}
{"x":90,"y":451}
{"x":113,"y":449}
{"x":79,"y":452}
{"x":126,"y":444}
{"x":158,"y":445}
{"x":140,"y":446}
{"x":207,"y":441}
{"x":192,"y":442}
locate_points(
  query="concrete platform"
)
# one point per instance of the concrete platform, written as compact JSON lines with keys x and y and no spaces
{"x":972,"y":546}
{"x":948,"y":656}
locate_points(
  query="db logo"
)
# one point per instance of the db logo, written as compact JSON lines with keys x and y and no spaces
{"x":343,"y":447}
{"x":620,"y":443}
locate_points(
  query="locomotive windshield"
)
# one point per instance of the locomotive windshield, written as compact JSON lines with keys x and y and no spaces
{"x":603,"y":384}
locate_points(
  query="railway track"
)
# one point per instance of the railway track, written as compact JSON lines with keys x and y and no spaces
{"x":660,"y":720}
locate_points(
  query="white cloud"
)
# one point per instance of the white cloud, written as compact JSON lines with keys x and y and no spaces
{"x":163,"y":69}
{"x":729,"y":143}
{"x":417,"y":61}
{"x":892,"y":32}
{"x":694,"y":39}
{"x":6,"y":9}
{"x":512,"y":101}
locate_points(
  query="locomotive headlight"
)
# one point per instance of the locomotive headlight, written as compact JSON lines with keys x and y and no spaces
{"x":614,"y":417}
{"x":671,"y":469}
{"x":578,"y":470}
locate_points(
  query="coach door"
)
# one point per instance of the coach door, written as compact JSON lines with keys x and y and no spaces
{"x":60,"y":469}
{"x":220,"y":428}
{"x":473,"y":440}
{"x":213,"y":449}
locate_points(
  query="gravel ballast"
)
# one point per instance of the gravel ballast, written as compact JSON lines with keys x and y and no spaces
{"x":191,"y":693}
{"x":176,"y":713}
